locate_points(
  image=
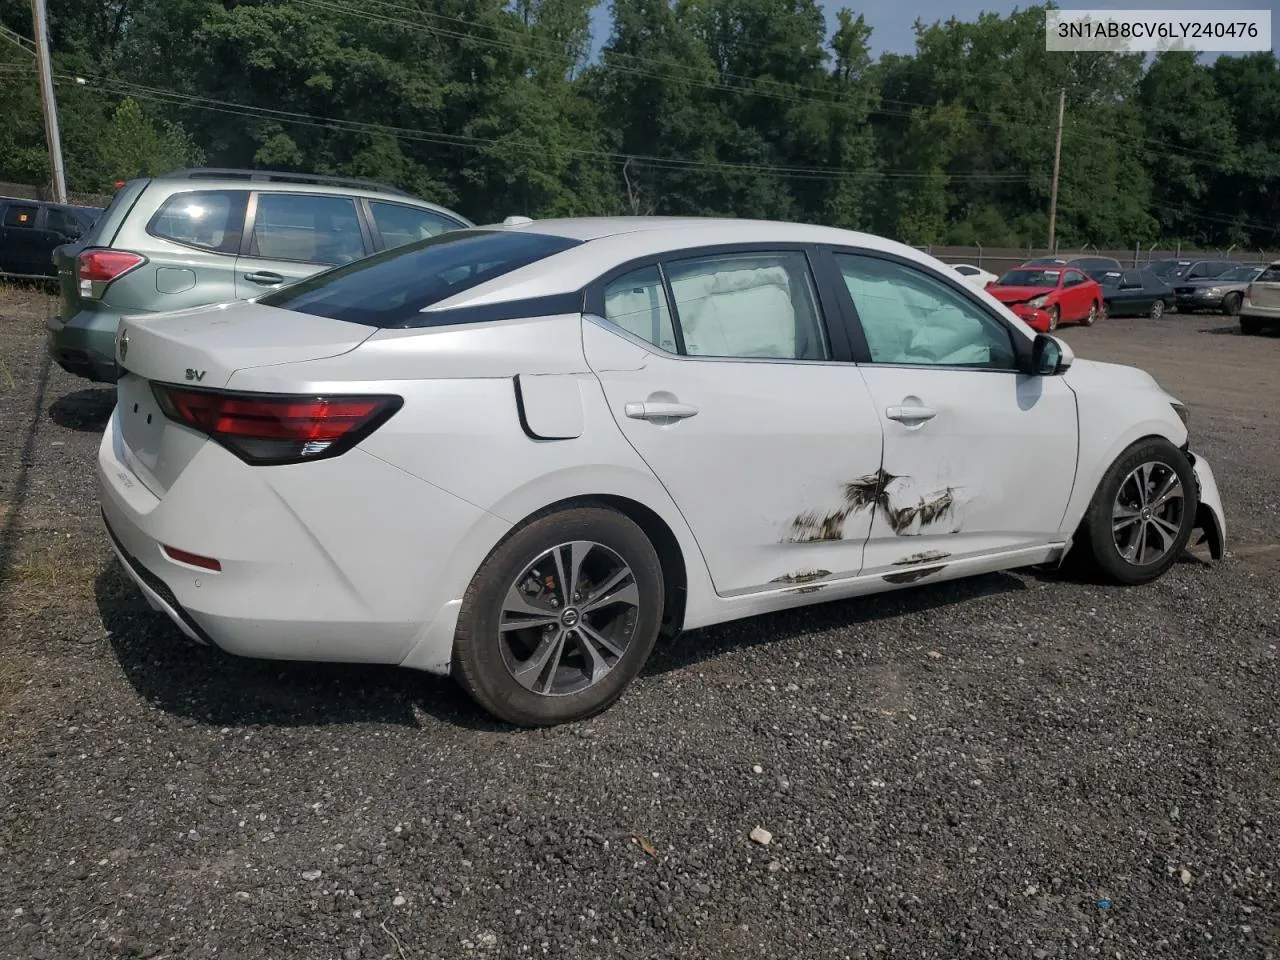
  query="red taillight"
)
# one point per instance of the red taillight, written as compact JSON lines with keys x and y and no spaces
{"x":271,"y":429}
{"x":103,"y":266}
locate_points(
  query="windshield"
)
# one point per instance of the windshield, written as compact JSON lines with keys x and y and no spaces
{"x":391,"y":288}
{"x":1030,"y":278}
{"x":1166,"y":268}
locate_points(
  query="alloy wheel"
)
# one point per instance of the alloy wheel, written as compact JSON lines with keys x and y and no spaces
{"x":568,"y":618}
{"x":1157,"y":310}
{"x":1147,"y":515}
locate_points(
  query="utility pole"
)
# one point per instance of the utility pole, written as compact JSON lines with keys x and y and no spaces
{"x":1057,"y":165}
{"x":41,"y":22}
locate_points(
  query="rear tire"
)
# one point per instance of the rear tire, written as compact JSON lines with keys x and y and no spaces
{"x":1231,"y":304}
{"x":1250,"y":326}
{"x":1142,"y":514}
{"x":589,"y":584}
{"x":1157,"y":310}
{"x":1092,"y":316}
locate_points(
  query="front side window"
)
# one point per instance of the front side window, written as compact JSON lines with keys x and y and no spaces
{"x":637,"y":303}
{"x":309,"y":228}
{"x":400,"y":224}
{"x":392,"y":288}
{"x":748,"y":305}
{"x":1073,"y":279}
{"x":209,"y":219}
{"x":19,"y":215}
{"x":63,"y":222}
{"x":909,"y":317}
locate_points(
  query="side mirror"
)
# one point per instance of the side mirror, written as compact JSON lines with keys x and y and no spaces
{"x":1049,"y":356}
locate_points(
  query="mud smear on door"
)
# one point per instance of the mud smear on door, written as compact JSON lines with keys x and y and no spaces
{"x":869,"y":493}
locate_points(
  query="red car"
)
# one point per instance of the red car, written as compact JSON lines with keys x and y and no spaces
{"x":1043,"y":297}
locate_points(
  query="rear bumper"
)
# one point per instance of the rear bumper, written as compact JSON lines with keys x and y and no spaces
{"x":85,"y":345}
{"x":1257,"y":312}
{"x":343,"y":560}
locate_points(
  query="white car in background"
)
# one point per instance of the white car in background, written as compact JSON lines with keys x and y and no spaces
{"x":975,"y":276}
{"x":518,"y":453}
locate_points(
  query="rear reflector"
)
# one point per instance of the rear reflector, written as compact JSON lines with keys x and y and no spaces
{"x":194,"y":559}
{"x":103,"y":266}
{"x":264,"y":429}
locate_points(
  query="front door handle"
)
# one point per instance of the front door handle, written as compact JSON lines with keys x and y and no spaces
{"x":264,"y":277}
{"x":659,"y":411}
{"x":912,"y":414}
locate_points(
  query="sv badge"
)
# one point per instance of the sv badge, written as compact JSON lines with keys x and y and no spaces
{"x":196,"y":375}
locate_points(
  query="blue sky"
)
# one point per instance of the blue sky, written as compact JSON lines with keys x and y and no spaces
{"x":892,"y":20}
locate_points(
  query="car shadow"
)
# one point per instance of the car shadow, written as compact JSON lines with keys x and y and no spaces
{"x":86,"y":410}
{"x":700,"y":646}
{"x":205,"y":686}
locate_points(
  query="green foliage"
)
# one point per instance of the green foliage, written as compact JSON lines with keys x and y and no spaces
{"x":693,"y":107}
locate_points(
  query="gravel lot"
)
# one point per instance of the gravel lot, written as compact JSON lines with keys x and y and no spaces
{"x":1013,"y":766}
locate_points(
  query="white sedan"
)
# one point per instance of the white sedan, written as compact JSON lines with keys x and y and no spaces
{"x":975,"y":276}
{"x":516,"y":454}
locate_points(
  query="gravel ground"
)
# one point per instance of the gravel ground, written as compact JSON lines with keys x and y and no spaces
{"x":1012,"y":766}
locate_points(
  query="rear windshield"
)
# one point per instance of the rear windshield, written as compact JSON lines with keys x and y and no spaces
{"x":389,"y":289}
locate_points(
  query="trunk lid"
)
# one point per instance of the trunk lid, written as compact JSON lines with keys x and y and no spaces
{"x":201,"y":348}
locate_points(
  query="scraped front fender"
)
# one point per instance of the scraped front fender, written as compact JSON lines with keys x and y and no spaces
{"x":1210,"y":519}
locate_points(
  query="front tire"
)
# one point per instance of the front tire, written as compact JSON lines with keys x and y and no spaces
{"x":1054,"y":316}
{"x":1231,"y":304}
{"x":560,"y":618}
{"x":1142,"y":514}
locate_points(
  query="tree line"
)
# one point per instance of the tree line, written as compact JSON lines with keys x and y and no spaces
{"x":746,"y":108}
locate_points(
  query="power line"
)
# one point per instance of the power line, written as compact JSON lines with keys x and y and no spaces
{"x":174,"y":98}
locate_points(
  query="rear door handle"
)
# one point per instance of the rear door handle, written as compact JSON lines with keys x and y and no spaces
{"x":659,"y":411}
{"x":911,"y":414}
{"x":264,"y":277}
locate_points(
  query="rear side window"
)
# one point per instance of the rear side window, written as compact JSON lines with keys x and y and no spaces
{"x":399,"y":224}
{"x":19,"y":215}
{"x":752,"y":305}
{"x":309,"y":228}
{"x":1269,"y":275}
{"x":208,"y":219}
{"x":391,"y":288}
{"x":637,"y":303}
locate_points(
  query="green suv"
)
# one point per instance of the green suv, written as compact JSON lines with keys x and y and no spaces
{"x":202,"y":236}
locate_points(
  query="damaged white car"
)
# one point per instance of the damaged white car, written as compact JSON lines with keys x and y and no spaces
{"x":518,"y":453}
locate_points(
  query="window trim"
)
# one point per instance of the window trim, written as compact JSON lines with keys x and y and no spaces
{"x":1020,"y":341}
{"x":375,"y":232}
{"x":831,"y":318}
{"x":251,"y":218}
{"x":233,"y":235}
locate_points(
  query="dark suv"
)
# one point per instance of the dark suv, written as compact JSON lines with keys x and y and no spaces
{"x":30,"y":230}
{"x":196,"y":237}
